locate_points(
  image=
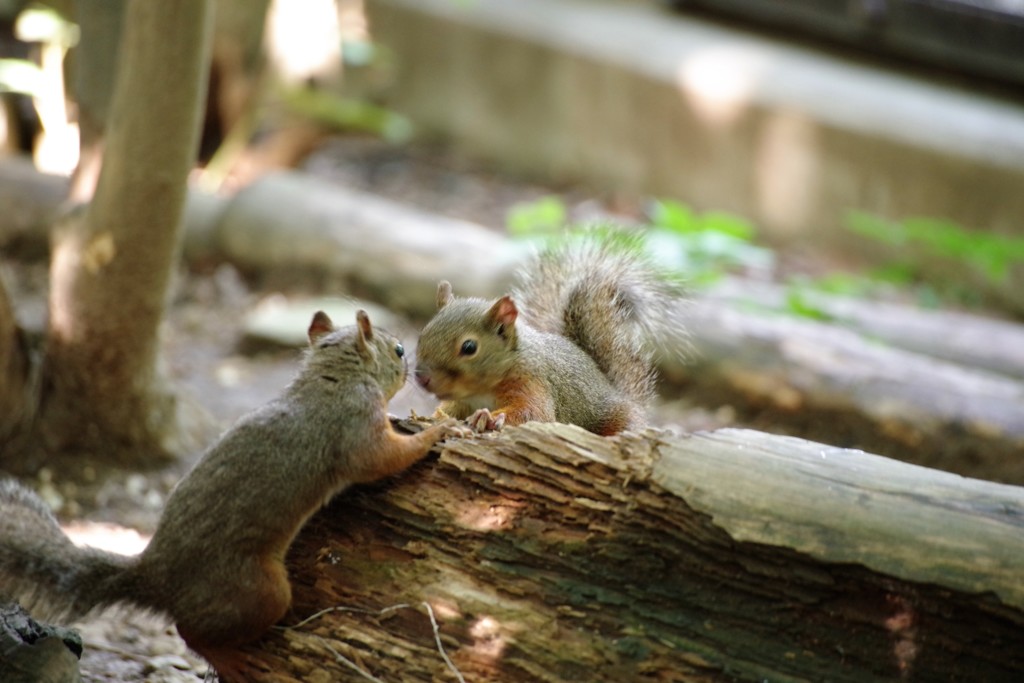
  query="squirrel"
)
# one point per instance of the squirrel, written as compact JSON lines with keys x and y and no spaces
{"x":573,"y":343}
{"x":215,"y":564}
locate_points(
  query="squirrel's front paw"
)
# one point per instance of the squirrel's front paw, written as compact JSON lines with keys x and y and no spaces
{"x":454,"y":428}
{"x":484,"y":421}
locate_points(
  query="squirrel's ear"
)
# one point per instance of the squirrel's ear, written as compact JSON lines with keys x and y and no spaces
{"x":503,"y":313}
{"x":320,"y":326}
{"x":365,"y":330}
{"x":444,"y":293}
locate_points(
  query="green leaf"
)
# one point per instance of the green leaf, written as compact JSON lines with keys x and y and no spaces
{"x":898,"y":274}
{"x":728,"y":224}
{"x":872,"y":226}
{"x":992,"y":259}
{"x":673,"y":216}
{"x":348,"y":113}
{"x":543,"y":216}
{"x":845,"y":284}
{"x":943,"y":237}
{"x":798,"y":303}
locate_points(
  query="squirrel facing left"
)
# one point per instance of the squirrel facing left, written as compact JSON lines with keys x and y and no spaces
{"x":216,"y":562}
{"x":574,"y":342}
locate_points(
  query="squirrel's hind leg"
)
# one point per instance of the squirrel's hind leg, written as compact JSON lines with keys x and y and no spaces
{"x":259,"y":595}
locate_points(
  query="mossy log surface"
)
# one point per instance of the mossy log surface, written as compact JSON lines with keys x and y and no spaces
{"x":549,"y":554}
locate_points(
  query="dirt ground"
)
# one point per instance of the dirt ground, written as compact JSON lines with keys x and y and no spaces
{"x":223,"y":375}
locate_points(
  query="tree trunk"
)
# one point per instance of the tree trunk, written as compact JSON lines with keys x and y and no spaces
{"x":96,"y":64}
{"x":110,"y":270}
{"x":549,"y":554}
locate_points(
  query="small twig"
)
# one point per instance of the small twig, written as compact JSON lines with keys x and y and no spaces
{"x":440,"y":647}
{"x":342,"y":608}
{"x":379,"y":613}
{"x":316,"y":615}
{"x":350,"y":664}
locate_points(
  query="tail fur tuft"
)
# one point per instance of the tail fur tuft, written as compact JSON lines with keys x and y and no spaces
{"x":43,"y":570}
{"x":609,"y":299}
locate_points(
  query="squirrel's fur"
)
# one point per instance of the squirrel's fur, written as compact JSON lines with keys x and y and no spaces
{"x":216,"y":562}
{"x":574,"y":342}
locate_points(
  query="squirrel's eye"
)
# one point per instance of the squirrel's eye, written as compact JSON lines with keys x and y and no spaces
{"x":468,"y":347}
{"x":399,"y":350}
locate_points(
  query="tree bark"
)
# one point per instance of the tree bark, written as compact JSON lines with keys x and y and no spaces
{"x":549,"y":554}
{"x":110,"y":271}
{"x":31,"y":652}
{"x":96,"y":65}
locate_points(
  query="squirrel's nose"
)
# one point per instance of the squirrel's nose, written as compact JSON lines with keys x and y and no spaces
{"x":423,"y":378}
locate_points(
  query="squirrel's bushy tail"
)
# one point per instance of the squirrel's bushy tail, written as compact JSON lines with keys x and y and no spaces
{"x":43,"y":570}
{"x":609,"y":299}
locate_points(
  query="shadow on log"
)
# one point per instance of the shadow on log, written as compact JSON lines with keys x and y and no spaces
{"x":548,"y":554}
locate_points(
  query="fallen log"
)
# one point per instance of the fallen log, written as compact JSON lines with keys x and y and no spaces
{"x":825,"y":382}
{"x":968,"y":340}
{"x":303,"y":228}
{"x":549,"y":554}
{"x":943,"y":390}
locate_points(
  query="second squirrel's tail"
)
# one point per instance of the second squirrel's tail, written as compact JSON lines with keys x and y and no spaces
{"x":43,"y":570}
{"x":611,"y":301}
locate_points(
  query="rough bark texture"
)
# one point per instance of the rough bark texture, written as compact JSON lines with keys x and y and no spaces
{"x":33,"y":653}
{"x":548,"y":554}
{"x":110,"y":270}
